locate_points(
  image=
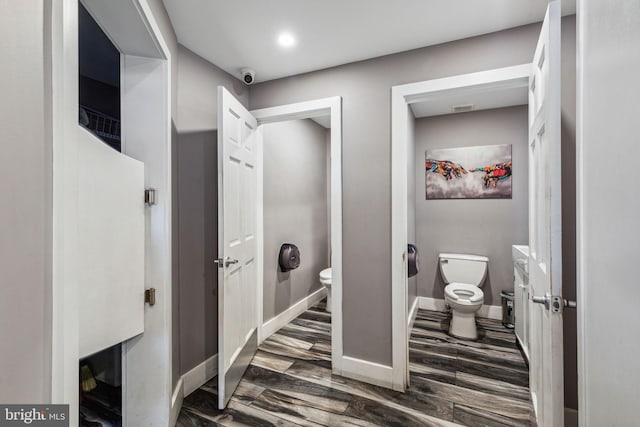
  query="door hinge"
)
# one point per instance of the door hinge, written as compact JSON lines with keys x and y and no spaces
{"x":150,"y":196}
{"x":150,"y":296}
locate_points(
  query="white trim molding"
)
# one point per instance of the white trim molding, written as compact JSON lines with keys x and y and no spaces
{"x":402,"y":97}
{"x":176,"y":402}
{"x":490,"y":312}
{"x":412,"y":314}
{"x":272,"y":325}
{"x":369,"y":372}
{"x":190,"y":382}
{"x":200,"y":375}
{"x":433,"y":304}
{"x":304,"y":110}
{"x":437,"y":304}
{"x":570,"y":417}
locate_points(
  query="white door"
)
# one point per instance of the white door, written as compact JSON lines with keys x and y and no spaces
{"x":237,"y":249}
{"x":111,"y":236}
{"x":545,"y":227}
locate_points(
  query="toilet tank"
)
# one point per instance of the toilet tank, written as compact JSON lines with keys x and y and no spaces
{"x":462,"y":268}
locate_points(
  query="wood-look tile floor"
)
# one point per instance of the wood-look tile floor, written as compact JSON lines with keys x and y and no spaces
{"x":453,"y":382}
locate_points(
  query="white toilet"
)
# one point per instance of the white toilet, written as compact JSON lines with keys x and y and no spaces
{"x":465,"y":275}
{"x":325,"y":279}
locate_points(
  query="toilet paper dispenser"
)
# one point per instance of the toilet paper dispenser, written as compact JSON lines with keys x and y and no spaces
{"x":412,"y":260}
{"x":289,"y":258}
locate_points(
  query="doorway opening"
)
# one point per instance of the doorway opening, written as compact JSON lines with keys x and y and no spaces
{"x":101,"y":388}
{"x":539,"y":83}
{"x":99,"y":77}
{"x":322,"y":117}
{"x":415,"y":106}
{"x":296,"y":201}
{"x":241,"y":224}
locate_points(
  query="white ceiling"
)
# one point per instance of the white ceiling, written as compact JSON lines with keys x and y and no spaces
{"x":479,"y":100}
{"x":233,"y":34}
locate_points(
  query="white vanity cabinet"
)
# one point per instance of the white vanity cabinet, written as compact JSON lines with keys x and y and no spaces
{"x":521,"y":299}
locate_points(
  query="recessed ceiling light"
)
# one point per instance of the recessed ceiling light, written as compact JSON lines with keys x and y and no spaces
{"x":286,"y":40}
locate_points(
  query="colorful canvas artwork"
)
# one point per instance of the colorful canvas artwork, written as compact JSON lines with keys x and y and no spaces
{"x":482,"y":172}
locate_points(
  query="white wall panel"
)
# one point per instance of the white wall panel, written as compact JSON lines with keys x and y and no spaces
{"x":111,"y":227}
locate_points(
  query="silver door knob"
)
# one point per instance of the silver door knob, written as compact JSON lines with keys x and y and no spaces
{"x":226,"y":262}
{"x":541,"y":300}
{"x":555,"y":303}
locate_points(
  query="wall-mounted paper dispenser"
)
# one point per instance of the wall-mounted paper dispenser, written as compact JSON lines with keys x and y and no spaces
{"x":289,"y":258}
{"x":412,"y":260}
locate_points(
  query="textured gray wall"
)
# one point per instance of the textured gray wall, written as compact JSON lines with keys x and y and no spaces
{"x":175,"y":260}
{"x":197,"y":247}
{"x":473,"y":226}
{"x":412,"y":288}
{"x":569,"y":209}
{"x":26,"y":208}
{"x":365,"y":88}
{"x":295,"y":210}
{"x":197,"y":205}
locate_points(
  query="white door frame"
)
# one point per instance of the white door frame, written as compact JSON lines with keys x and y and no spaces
{"x":156,"y":155}
{"x":401,"y":98}
{"x":304,"y":110}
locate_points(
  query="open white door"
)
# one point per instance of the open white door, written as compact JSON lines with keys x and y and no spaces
{"x":237,"y":248}
{"x":545,"y":226}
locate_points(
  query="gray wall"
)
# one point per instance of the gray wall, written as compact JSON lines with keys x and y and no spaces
{"x":473,"y":226}
{"x":569,"y":209}
{"x":26,"y":208}
{"x":195,"y":173}
{"x":295,"y":210}
{"x":365,"y":90}
{"x":412,"y":287}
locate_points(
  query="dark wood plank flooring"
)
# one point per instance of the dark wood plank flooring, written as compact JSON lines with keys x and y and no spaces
{"x":453,"y":382}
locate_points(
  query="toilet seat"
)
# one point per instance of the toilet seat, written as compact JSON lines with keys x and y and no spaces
{"x":463,"y":293}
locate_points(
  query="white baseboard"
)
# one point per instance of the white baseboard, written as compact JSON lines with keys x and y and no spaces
{"x":200,"y":375}
{"x":176,"y":403}
{"x":412,"y":315}
{"x":272,"y":325}
{"x":570,"y":417}
{"x":369,"y":372}
{"x":491,"y":312}
{"x":436,"y":304}
{"x":433,"y":304}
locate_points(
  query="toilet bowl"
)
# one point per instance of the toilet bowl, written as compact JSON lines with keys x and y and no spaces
{"x":464,"y":275}
{"x":325,"y":279}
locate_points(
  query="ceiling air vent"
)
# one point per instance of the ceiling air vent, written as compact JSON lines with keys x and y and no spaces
{"x":462,"y":108}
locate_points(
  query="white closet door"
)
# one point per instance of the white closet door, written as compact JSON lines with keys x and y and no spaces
{"x":111,"y":226}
